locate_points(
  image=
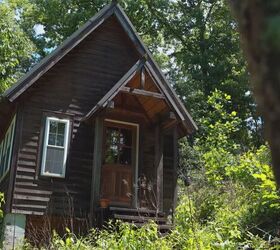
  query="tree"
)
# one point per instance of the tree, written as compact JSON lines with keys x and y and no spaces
{"x":15,"y":47}
{"x":203,"y":44}
{"x":195,"y":41}
{"x":259,"y":25}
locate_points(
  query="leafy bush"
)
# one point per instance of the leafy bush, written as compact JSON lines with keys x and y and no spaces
{"x":232,"y":202}
{"x":233,"y":196}
{"x":115,"y":236}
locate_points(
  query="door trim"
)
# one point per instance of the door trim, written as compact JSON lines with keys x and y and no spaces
{"x":136,"y":167}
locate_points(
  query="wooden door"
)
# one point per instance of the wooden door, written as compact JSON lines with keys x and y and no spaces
{"x":119,"y":157}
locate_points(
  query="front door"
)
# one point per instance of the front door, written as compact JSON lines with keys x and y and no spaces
{"x":119,"y":162}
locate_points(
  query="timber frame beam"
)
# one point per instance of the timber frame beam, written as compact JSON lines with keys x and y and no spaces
{"x":142,"y":92}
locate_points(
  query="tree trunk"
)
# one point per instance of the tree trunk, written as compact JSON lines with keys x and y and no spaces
{"x":259,"y":26}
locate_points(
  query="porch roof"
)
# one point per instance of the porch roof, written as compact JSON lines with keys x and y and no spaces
{"x":150,"y":93}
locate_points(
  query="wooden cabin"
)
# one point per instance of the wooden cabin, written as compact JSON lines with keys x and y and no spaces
{"x":90,"y":132}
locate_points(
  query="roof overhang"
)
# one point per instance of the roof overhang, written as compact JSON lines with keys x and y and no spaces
{"x":76,"y":38}
{"x":121,"y":87}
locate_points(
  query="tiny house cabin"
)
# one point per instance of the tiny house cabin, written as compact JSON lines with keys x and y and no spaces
{"x":90,"y":133}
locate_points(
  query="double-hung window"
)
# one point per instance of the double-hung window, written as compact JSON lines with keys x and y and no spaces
{"x":55,"y":147}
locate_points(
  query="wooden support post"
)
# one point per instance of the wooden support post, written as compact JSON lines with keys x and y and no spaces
{"x":96,"y":170}
{"x":159,"y":166}
{"x":175,"y":166}
{"x":142,"y":78}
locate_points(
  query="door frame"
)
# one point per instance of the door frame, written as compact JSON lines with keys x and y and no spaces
{"x":134,"y":202}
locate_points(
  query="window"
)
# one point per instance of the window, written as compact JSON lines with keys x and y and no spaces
{"x":6,"y":149}
{"x":55,"y":147}
{"x":118,"y":148}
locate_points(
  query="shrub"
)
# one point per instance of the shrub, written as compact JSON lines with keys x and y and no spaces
{"x":232,"y":203}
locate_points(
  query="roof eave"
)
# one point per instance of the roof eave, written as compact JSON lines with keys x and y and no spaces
{"x":49,"y":61}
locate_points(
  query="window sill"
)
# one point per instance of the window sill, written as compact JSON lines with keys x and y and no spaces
{"x":45,"y":175}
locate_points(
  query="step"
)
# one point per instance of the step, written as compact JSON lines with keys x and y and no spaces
{"x":139,"y":218}
{"x":136,"y":210}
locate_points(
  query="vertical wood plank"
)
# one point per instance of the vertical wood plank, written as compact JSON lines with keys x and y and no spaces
{"x":159,"y":166}
{"x":97,"y":162}
{"x":175,"y":166}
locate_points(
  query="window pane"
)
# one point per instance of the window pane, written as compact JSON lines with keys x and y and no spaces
{"x":118,"y":146}
{"x":7,"y":158}
{"x":4,"y":155}
{"x":60,"y":140}
{"x":56,"y":133}
{"x":112,"y":136}
{"x":111,"y":155}
{"x":53,"y":127}
{"x":125,"y":156}
{"x":54,"y":161}
{"x":51,"y":139}
{"x":112,"y":141}
{"x":126,"y":137}
{"x":61,"y":128}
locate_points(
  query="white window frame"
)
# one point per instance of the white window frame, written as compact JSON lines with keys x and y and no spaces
{"x":45,"y":145}
{"x":8,"y":139}
{"x":11,"y":140}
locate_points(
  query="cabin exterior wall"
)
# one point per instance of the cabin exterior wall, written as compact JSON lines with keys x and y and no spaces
{"x":70,"y":89}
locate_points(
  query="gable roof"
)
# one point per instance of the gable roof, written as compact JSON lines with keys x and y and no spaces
{"x":115,"y":89}
{"x":77,"y":37}
{"x":127,"y":77}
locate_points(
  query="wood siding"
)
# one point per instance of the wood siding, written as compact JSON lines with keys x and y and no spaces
{"x":72,"y":87}
{"x":149,"y":171}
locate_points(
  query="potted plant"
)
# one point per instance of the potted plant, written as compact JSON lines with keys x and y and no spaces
{"x":104,"y":203}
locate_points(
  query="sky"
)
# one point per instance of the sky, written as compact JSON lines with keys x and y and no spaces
{"x":39,"y":29}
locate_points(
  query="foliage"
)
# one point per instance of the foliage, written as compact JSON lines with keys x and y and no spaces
{"x":232,"y":202}
{"x":221,"y":125}
{"x":223,"y":228}
{"x":196,"y":43}
{"x":15,"y":47}
{"x":115,"y":236}
{"x":2,"y":201}
{"x":233,"y":197}
{"x":231,"y":209}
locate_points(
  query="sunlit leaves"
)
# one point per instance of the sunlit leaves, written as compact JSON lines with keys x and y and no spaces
{"x":15,"y":47}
